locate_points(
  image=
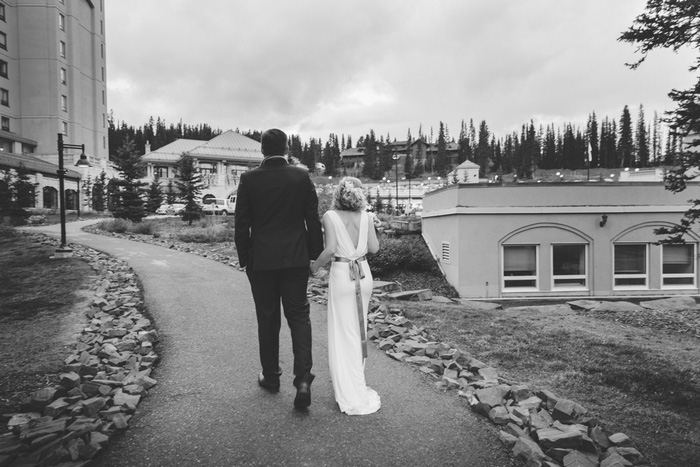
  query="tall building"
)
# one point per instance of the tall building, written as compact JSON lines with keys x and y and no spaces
{"x":52,"y":80}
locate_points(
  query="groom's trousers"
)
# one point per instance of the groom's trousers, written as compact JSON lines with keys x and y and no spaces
{"x":287,"y":286}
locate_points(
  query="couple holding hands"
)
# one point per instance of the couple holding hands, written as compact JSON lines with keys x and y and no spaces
{"x":278,"y":234}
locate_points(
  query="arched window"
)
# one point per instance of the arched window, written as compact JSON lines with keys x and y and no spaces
{"x":50,"y":197}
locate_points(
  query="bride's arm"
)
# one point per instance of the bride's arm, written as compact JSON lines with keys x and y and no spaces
{"x":372,"y":240}
{"x":331,"y":243}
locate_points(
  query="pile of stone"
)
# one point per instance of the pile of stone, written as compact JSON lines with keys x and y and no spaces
{"x":104,"y":379}
{"x":542,"y":429}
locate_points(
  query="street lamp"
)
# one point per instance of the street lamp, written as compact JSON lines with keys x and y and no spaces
{"x":396,"y":166}
{"x":63,"y":251}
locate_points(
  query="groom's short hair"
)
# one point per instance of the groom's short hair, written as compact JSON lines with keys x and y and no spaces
{"x":273,"y":143}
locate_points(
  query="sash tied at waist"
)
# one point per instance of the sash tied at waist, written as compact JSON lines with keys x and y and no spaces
{"x":356,"y":275}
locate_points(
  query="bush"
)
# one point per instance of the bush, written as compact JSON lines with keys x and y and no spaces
{"x":37,"y":220}
{"x":408,"y":253}
{"x":143,"y":228}
{"x":116,"y":225}
{"x":209,"y":231}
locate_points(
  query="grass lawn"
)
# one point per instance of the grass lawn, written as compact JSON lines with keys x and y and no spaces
{"x":39,"y":300}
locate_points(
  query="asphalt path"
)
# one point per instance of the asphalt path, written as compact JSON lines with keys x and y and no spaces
{"x":207,"y":409}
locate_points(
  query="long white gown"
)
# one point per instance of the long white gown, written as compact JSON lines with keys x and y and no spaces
{"x":347,"y":365}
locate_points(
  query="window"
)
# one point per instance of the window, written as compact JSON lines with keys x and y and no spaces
{"x":3,"y":40}
{"x":569,"y":266}
{"x":2,"y":11}
{"x":64,"y":128}
{"x":160,"y":171}
{"x":5,"y":123}
{"x":630,"y":265}
{"x":61,"y":22}
{"x":678,"y":265}
{"x":62,"y":49}
{"x":103,"y":74}
{"x":5,"y":145}
{"x":64,"y":76}
{"x":3,"y":69}
{"x":64,"y":103}
{"x":102,"y":50}
{"x":4,"y":97}
{"x":445,"y":252}
{"x":520,"y":266}
{"x":103,"y":98}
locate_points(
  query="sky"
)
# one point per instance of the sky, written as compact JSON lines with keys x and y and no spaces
{"x":316,"y":67}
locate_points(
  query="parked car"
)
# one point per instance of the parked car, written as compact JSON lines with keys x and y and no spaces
{"x":219,"y":206}
{"x":170,"y":209}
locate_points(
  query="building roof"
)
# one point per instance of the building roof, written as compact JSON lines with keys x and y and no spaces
{"x":468,"y":165}
{"x":173,"y":151}
{"x":33,"y":163}
{"x":230,"y":146}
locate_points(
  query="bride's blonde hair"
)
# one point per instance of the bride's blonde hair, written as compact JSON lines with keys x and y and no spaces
{"x":349,"y":195}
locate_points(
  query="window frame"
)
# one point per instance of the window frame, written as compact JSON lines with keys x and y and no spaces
{"x":4,"y":97}
{"x":4,"y":69}
{"x":623,"y":276}
{"x":692,"y":275}
{"x":536,"y":277}
{"x":3,"y":40}
{"x":3,"y":15}
{"x":63,"y":76}
{"x":64,"y":103}
{"x":584,"y":276}
{"x":61,"y":21}
{"x":5,"y":123}
{"x":62,"y":49}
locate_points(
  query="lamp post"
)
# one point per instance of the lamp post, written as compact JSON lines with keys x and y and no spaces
{"x":63,"y":251}
{"x":396,"y":171}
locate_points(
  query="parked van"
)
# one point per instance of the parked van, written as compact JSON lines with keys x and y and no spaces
{"x":219,"y":206}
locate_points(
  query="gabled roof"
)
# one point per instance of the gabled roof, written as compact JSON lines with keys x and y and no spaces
{"x":468,"y":165}
{"x":34,"y":164}
{"x":230,"y":146}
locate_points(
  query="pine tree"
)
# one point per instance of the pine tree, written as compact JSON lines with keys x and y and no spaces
{"x":441,"y":163}
{"x":593,"y":141}
{"x":483,"y":149}
{"x":130,"y":187}
{"x":642,"y":139}
{"x":98,"y":195}
{"x":408,"y":162}
{"x":625,"y":145}
{"x":189,"y":183}
{"x":155,"y":195}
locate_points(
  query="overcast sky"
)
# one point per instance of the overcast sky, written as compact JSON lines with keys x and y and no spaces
{"x":315,"y":67}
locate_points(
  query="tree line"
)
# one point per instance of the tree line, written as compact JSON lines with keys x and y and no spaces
{"x":610,"y":143}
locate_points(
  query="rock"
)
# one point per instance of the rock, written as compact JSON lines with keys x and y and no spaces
{"x":678,"y":303}
{"x":555,"y":438}
{"x":617,"y":306}
{"x":412,"y":295}
{"x":620,"y":439}
{"x":528,"y":451}
{"x":579,"y":459}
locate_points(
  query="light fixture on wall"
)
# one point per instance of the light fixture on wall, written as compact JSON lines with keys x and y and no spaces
{"x":603,"y":220}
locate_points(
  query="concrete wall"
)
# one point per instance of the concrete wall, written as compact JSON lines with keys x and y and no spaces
{"x":466,"y":227}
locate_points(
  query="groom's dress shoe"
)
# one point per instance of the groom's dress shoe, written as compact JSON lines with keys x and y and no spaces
{"x":303,"y":398}
{"x":268,"y":384}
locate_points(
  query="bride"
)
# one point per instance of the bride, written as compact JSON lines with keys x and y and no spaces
{"x":349,"y":236}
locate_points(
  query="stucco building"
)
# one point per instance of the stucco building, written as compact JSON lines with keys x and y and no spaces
{"x":562,"y":239}
{"x":53,"y":80}
{"x":220,"y":161}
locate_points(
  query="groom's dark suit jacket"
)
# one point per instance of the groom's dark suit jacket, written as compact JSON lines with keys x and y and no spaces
{"x":277,"y":223}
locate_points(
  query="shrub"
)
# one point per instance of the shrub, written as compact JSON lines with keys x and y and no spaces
{"x":37,"y":220}
{"x":408,"y":253}
{"x":116,"y":225}
{"x":209,"y":231}
{"x":144,"y":228}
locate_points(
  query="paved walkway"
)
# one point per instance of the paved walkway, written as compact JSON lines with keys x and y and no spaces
{"x":207,"y":409}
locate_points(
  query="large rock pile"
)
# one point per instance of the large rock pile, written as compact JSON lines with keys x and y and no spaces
{"x":541,"y":428}
{"x":104,"y":379}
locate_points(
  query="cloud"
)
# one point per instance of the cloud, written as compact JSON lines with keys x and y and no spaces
{"x":318,"y":67}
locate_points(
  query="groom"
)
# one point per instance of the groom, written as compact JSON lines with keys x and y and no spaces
{"x":277,"y":234}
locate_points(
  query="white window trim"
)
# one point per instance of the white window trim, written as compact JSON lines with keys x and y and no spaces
{"x":631,"y":276}
{"x":536,"y":277}
{"x":693,"y":275}
{"x":577,"y":276}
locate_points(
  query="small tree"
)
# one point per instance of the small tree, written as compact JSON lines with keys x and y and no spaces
{"x":130,"y":204}
{"x":189,"y":182}
{"x":87,"y":191}
{"x":170,"y":194}
{"x":99,"y":189}
{"x":155,"y":195}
